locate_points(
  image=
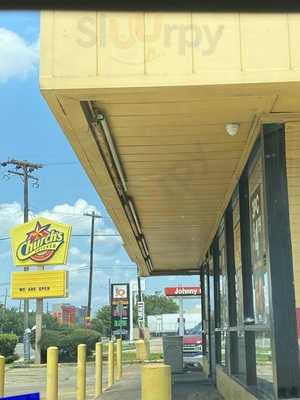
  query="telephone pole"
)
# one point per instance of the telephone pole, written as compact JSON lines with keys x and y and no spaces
{"x":93,"y":216}
{"x":24,"y":169}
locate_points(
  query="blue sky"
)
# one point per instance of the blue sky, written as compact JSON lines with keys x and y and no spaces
{"x":29,"y":131}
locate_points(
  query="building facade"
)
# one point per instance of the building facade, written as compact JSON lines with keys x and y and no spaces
{"x":188,"y":126}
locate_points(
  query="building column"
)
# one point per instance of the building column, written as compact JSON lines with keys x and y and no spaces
{"x":217,"y":324}
{"x":250,"y":357}
{"x":204,"y":335}
{"x":282,"y":297}
{"x":231,"y":292}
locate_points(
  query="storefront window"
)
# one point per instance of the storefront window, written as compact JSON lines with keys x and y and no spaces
{"x":258,"y":246}
{"x":260,"y":280}
{"x":264,"y":368}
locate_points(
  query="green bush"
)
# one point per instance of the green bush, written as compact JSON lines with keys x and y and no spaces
{"x":67,"y":342}
{"x":8,"y":342}
{"x":11,"y":359}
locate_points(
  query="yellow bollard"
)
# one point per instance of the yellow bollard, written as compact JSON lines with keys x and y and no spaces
{"x":142,"y":350}
{"x":119,"y":359}
{"x":99,"y":370}
{"x":81,"y":372}
{"x":2,"y":375}
{"x":52,"y":373}
{"x":111,"y":377}
{"x":156,"y":382}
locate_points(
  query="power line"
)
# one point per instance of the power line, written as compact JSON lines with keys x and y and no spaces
{"x":77,"y":215}
{"x":54,"y":164}
{"x":80,"y":235}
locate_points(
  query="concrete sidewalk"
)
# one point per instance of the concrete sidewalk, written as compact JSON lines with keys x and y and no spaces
{"x":128,"y":388}
{"x":186,"y":387}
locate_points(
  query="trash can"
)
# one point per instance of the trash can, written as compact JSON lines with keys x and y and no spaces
{"x":173,"y":353}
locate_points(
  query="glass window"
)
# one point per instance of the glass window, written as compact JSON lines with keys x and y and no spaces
{"x":264,"y":368}
{"x":258,"y":246}
{"x":260,"y":280}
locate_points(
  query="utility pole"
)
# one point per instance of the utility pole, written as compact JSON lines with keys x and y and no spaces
{"x":24,"y":169}
{"x":93,"y":216}
{"x":5,"y":298}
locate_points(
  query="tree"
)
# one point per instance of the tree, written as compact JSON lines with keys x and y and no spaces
{"x":157,"y":304}
{"x":12,"y":321}
{"x":102,"y":321}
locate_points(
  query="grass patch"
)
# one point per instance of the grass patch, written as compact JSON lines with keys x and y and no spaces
{"x":130,"y":357}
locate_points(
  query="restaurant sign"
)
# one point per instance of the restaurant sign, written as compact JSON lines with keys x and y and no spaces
{"x":183,"y":291}
{"x":39,"y":284}
{"x":40,"y":242}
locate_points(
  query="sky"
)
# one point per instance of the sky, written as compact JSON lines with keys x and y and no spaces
{"x":30,"y":132}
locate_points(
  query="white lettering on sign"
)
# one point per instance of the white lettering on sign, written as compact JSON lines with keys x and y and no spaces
{"x":183,"y":291}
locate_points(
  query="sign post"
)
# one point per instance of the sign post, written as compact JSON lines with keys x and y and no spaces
{"x":39,"y":242}
{"x":141,"y":314}
{"x":38,"y":328}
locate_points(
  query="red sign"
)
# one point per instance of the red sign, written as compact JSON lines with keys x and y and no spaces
{"x":183,"y":291}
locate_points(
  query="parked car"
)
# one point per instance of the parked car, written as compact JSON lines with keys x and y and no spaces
{"x":192,"y":346}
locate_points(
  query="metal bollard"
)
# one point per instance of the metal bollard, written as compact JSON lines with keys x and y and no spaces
{"x":111,"y":377}
{"x":99,"y":369}
{"x":142,"y":350}
{"x":52,"y":373}
{"x":2,"y":375}
{"x":119,"y":359}
{"x":156,"y":382}
{"x":81,"y":372}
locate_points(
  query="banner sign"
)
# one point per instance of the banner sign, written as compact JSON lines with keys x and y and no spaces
{"x":40,"y":242}
{"x":183,"y":291}
{"x":120,"y":310}
{"x":39,"y":284}
{"x":141,"y":312}
{"x":29,"y":396}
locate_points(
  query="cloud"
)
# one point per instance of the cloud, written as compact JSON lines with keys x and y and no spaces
{"x":18,"y":58}
{"x":10,"y":215}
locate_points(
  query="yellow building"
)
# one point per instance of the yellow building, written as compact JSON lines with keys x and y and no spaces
{"x":187,"y":125}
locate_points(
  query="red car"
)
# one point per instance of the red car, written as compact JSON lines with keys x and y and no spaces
{"x":192,"y":345}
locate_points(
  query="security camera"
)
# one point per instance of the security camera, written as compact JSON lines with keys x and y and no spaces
{"x":232,"y":128}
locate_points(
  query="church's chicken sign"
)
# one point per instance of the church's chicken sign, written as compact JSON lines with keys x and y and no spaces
{"x":40,"y":242}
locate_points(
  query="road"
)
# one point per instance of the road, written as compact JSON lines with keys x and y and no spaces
{"x":33,"y":379}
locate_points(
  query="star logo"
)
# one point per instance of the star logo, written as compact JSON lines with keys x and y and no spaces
{"x":38,"y":232}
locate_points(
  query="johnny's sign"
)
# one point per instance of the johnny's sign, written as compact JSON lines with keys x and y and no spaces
{"x":183,"y":291}
{"x":40,"y":242}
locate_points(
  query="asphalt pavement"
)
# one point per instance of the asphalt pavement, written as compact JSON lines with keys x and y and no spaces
{"x":33,"y":379}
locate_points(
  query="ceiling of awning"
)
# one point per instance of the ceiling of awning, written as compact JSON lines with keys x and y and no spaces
{"x":179,"y":162}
